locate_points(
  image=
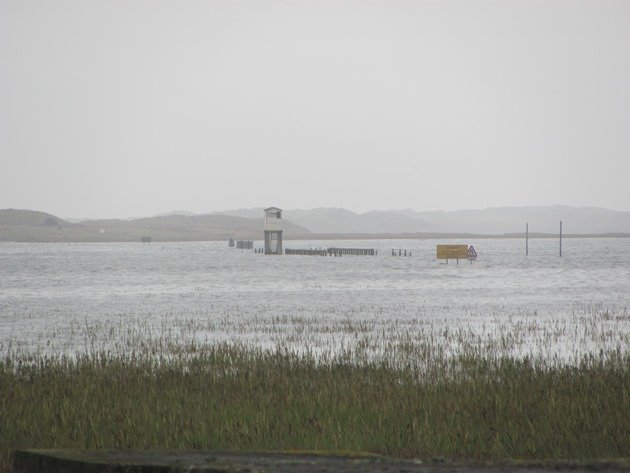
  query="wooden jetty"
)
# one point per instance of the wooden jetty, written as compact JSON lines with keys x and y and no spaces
{"x":289,"y":251}
{"x":332,"y":252}
{"x":351,"y":251}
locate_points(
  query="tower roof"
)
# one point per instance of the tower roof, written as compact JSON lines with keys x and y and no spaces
{"x":272,"y":208}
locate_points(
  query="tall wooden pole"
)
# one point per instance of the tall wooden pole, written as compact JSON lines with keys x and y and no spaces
{"x":560,"y":238}
{"x":526,"y":239}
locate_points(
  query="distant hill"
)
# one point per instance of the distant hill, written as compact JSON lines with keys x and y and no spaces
{"x":335,"y":220}
{"x":29,"y":218}
{"x":188,"y":228}
{"x":256,"y":212}
{"x":339,"y":220}
{"x":493,"y":221}
{"x":320,"y":223}
{"x":177,"y":212}
{"x":28,"y":225}
{"x":543,"y":219}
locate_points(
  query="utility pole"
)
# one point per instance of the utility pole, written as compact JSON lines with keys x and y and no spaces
{"x":560,"y":238}
{"x":526,"y":239}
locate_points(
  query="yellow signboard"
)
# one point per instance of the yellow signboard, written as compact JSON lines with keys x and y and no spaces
{"x":452,"y":251}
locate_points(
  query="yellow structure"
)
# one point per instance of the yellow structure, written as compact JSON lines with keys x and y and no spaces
{"x":452,"y":252}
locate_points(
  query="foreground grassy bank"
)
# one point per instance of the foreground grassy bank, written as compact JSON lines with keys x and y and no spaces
{"x":468,"y":408}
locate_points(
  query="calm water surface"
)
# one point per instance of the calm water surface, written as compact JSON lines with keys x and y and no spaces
{"x":60,"y":298}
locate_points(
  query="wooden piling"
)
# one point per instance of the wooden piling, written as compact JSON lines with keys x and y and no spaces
{"x":526,"y":239}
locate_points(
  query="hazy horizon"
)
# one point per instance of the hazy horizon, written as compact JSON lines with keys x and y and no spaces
{"x":128,"y":109}
{"x":207,"y":212}
{"x":227,"y":210}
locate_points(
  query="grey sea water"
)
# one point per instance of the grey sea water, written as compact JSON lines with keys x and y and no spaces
{"x":60,"y":298}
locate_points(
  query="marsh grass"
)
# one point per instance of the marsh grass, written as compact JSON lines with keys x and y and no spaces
{"x":378,"y":331}
{"x":481,"y":387}
{"x":472,"y":406}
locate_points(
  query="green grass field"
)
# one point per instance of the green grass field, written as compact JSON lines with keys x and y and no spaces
{"x":226,"y":397}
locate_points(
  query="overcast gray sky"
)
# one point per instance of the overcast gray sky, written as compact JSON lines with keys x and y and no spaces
{"x":116,"y":108}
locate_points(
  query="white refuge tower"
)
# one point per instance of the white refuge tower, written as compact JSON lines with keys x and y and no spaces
{"x":273,"y":231}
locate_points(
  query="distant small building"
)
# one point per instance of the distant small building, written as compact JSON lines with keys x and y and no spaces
{"x":145,"y":239}
{"x":231,"y":243}
{"x":273,"y":231}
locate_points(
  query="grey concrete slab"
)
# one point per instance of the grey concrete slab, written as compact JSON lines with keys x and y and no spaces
{"x":121,"y":461}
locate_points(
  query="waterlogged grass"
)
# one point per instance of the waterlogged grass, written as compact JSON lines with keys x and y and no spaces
{"x":479,"y":387}
{"x":381,"y":331}
{"x":465,"y":407}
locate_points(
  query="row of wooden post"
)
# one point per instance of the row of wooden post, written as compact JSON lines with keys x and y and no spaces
{"x":401,"y":252}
